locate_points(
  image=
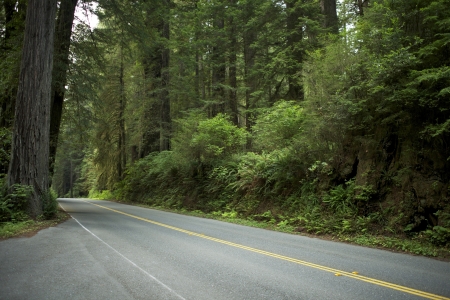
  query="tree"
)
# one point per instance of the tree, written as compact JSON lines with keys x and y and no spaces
{"x":250,"y":76}
{"x":330,"y":15}
{"x":218,"y":59}
{"x":303,"y":30}
{"x":63,"y":32}
{"x":360,"y":5}
{"x":294,"y":46}
{"x":30,"y":144}
{"x":12,"y":27}
{"x":165,"y":125}
{"x":73,"y":167}
{"x":232,"y":57}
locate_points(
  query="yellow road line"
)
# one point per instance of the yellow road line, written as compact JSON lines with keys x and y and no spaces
{"x":290,"y":259}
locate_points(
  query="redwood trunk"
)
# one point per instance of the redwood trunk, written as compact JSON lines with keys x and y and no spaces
{"x":233,"y":102}
{"x":63,"y":32}
{"x":219,"y":65}
{"x":294,"y":39}
{"x":330,"y":14}
{"x":165,"y":126}
{"x":30,"y":144}
{"x":250,"y":36}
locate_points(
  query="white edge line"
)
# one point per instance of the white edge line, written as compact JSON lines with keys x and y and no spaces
{"x":127,"y":259}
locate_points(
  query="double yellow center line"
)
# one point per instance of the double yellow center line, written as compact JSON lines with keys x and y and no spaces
{"x":337,"y":272}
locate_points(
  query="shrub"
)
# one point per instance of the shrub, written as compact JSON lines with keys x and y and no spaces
{"x":49,"y":204}
{"x":5,"y":149}
{"x":157,"y":177}
{"x":440,"y":234}
{"x":100,"y":195}
{"x":206,"y":140}
{"x":343,"y":199}
{"x":217,"y":138}
{"x":275,"y":127}
{"x":13,"y":202}
{"x":219,"y":185}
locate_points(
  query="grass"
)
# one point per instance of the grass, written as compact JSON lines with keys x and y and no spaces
{"x":29,"y":227}
{"x":413,"y":246}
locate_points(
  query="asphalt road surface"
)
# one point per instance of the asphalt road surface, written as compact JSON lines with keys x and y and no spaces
{"x":114,"y":251}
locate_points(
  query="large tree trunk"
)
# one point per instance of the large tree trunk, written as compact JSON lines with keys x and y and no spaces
{"x":63,"y":32}
{"x":294,"y":40}
{"x":360,"y":5}
{"x":233,"y":102}
{"x":218,"y":63}
{"x":329,"y":11}
{"x":122,"y":160}
{"x":30,"y":145}
{"x":150,"y":120}
{"x":249,"y":37}
{"x":165,"y":126}
{"x":155,"y":63}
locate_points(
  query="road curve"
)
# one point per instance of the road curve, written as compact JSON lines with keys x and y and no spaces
{"x":114,"y":251}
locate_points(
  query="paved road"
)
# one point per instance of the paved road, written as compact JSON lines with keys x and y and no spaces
{"x":114,"y":251}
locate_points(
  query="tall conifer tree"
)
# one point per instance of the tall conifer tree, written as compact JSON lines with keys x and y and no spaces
{"x":30,"y":146}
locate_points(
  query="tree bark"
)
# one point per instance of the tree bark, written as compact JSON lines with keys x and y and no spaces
{"x":233,"y":102}
{"x":294,"y":40}
{"x":361,"y":4}
{"x":165,"y":126}
{"x":155,"y":63}
{"x":219,"y":63}
{"x":30,"y":145}
{"x":63,"y":32}
{"x":121,"y":163}
{"x":250,"y":36}
{"x":329,"y":11}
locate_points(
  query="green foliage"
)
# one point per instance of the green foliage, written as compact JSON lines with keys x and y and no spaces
{"x":9,"y":229}
{"x":268,"y":176}
{"x":186,"y":128}
{"x":277,"y":126}
{"x":344,"y":199}
{"x":230,"y":215}
{"x":340,"y":199}
{"x":219,"y":185}
{"x":13,"y":202}
{"x":440,"y":234}
{"x":101,"y":195}
{"x":400,"y":244}
{"x":217,"y":138}
{"x":309,"y":197}
{"x":156,"y":179}
{"x":5,"y":149}
{"x":10,"y":56}
{"x":49,"y":204}
{"x":374,"y":110}
{"x":202,"y":140}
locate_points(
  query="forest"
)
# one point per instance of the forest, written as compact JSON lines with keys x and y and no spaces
{"x":325,"y":117}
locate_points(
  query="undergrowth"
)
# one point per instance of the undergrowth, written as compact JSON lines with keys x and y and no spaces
{"x":100,"y":195}
{"x":290,"y":181}
{"x":27,"y":227}
{"x":14,"y":203}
